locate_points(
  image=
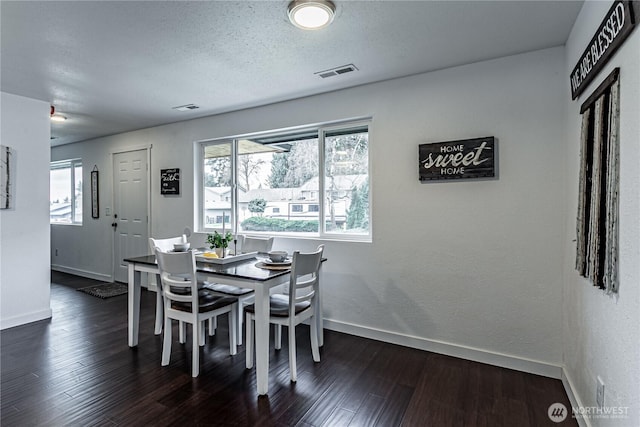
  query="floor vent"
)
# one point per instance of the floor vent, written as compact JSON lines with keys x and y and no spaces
{"x":186,"y":107}
{"x":337,"y":71}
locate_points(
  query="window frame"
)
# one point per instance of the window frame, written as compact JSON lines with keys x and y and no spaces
{"x":322,"y":130}
{"x":70,"y":164}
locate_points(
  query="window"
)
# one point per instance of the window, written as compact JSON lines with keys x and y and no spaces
{"x":283,"y":183}
{"x":65,"y":194}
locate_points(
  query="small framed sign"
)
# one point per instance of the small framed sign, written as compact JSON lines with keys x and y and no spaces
{"x":170,"y":181}
{"x":95,"y":194}
{"x":463,"y":159}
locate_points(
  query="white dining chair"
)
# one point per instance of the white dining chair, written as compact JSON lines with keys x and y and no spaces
{"x":293,"y":308}
{"x":164,"y":245}
{"x":244,"y":295}
{"x":185,"y":302}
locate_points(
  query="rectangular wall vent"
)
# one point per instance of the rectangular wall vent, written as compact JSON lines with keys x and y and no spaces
{"x":186,"y":107}
{"x":337,"y":71}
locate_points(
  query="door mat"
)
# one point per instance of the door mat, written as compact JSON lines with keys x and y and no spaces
{"x":105,"y":290}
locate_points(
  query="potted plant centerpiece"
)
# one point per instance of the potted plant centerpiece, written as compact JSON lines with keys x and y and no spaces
{"x":219,"y":243}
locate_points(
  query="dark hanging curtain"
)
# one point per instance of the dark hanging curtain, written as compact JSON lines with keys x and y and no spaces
{"x":597,"y":222}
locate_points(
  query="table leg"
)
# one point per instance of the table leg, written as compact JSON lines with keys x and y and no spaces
{"x":134,"y":305}
{"x":262,"y":339}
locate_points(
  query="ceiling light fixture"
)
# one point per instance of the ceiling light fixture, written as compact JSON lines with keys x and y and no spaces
{"x":311,"y":14}
{"x":58,"y":118}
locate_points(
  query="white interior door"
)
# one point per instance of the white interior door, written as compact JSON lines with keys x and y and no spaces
{"x":130,"y":209}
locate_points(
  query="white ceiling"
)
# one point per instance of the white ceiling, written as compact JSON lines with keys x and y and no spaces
{"x":112,"y":67}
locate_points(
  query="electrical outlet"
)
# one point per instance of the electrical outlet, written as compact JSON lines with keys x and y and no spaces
{"x":599,"y":393}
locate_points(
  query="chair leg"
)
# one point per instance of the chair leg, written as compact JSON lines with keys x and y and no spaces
{"x":159,"y":307}
{"x":183,"y":332}
{"x":293,"y":370}
{"x":278,"y":337}
{"x":233,"y":329}
{"x":250,"y":340}
{"x":239,"y":317}
{"x":166,"y":344}
{"x":213,"y":324}
{"x":315,"y":347}
{"x":195,"y":348}
{"x":201,"y":334}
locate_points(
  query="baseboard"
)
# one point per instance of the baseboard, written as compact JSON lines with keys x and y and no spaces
{"x":82,"y":273}
{"x":464,"y":352}
{"x":573,"y":398}
{"x":25,"y":318}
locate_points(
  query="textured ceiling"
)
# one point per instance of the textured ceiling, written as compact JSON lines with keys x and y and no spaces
{"x":112,"y":67}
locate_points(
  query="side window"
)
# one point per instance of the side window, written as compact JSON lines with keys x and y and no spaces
{"x":65,"y":192}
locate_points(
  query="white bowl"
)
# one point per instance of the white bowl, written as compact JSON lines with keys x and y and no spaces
{"x":181,"y":247}
{"x":278,"y":256}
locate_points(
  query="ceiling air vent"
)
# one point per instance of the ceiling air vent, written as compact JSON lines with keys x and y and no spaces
{"x":337,"y":71}
{"x":186,"y":107}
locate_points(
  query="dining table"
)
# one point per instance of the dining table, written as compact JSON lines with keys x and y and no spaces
{"x":246,"y":273}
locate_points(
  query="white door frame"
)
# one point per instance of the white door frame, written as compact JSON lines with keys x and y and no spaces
{"x":121,"y":150}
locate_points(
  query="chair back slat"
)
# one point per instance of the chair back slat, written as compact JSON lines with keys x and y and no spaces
{"x":303,"y":283}
{"x":255,"y":244}
{"x":166,"y":245}
{"x":178,"y":271}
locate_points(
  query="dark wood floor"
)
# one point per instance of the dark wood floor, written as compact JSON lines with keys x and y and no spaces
{"x":77,"y":369}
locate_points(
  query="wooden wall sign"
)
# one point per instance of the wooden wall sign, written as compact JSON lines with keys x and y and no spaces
{"x":614,"y":29}
{"x":463,"y":159}
{"x":7,"y":177}
{"x":95,"y":194}
{"x":170,"y":181}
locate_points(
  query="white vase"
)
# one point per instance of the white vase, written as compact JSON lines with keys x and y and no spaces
{"x":221,"y":252}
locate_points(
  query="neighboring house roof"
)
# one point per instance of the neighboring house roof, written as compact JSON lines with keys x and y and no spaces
{"x":215,"y":197}
{"x":217,"y":191}
{"x":60,"y":209}
{"x":341,"y":182}
{"x":270,"y":194}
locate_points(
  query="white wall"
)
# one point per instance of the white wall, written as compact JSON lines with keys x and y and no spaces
{"x":600,"y":332}
{"x":86,"y":250}
{"x":24,"y":230}
{"x":466,"y":268}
